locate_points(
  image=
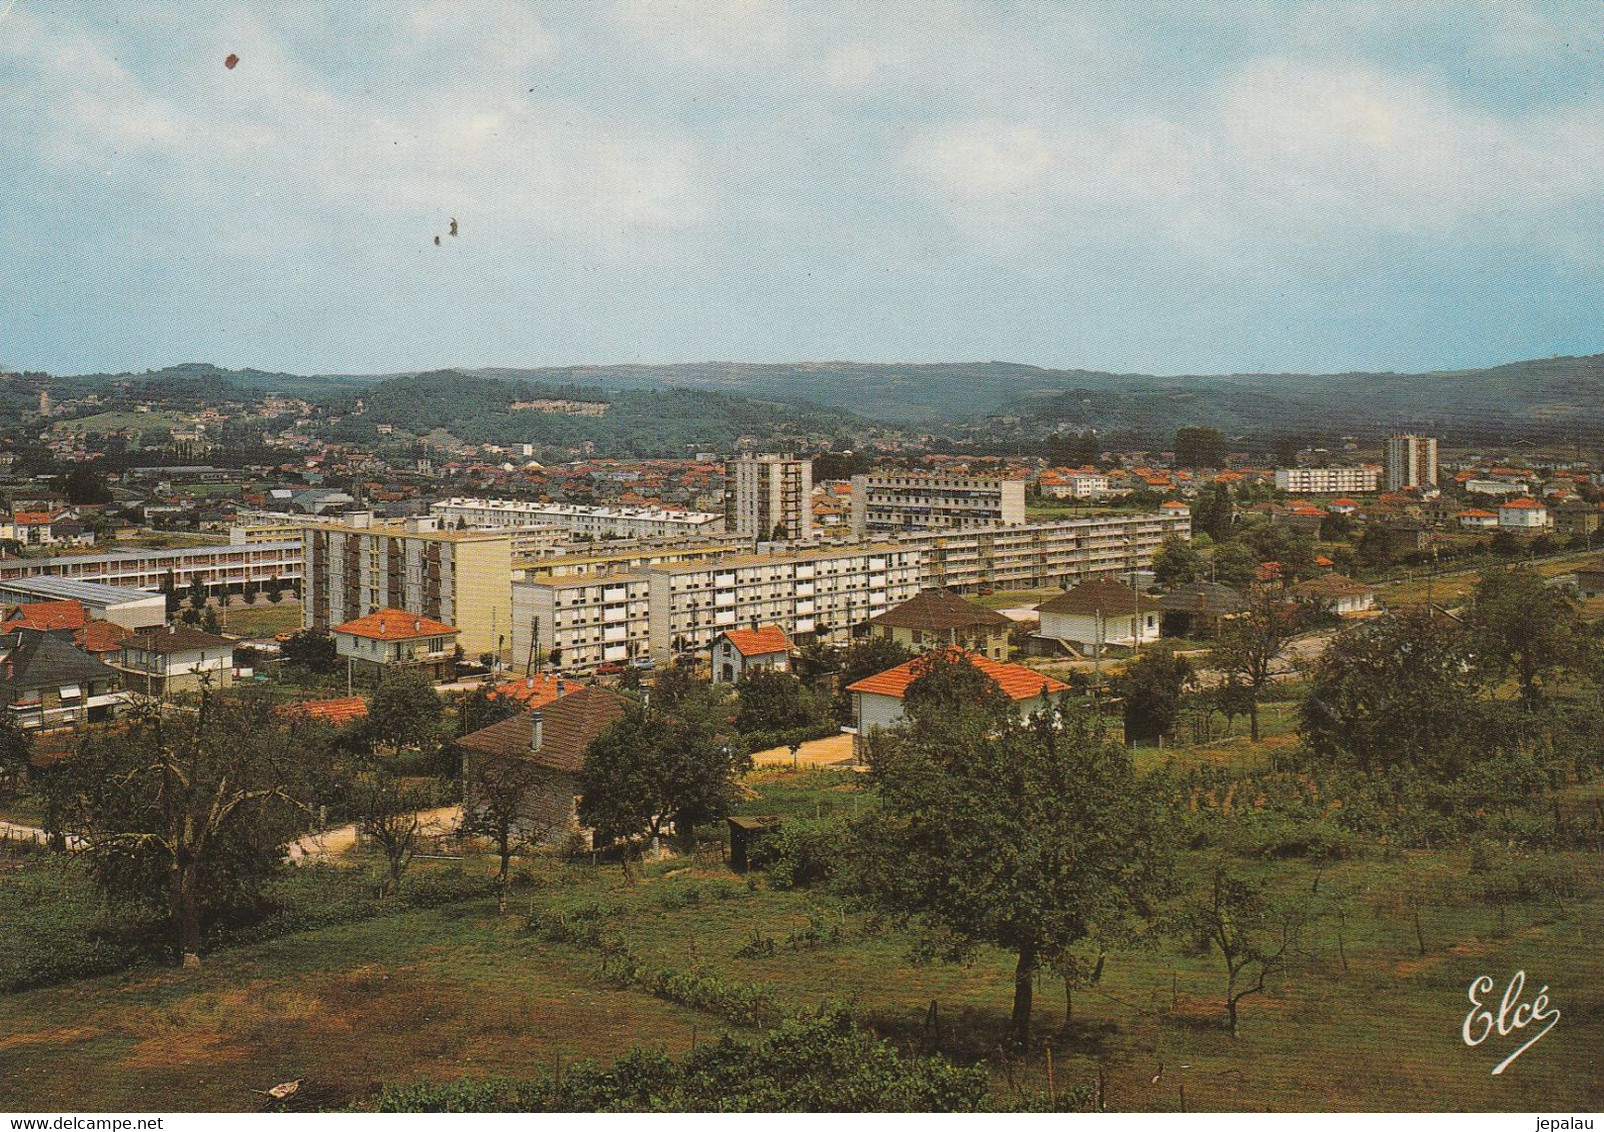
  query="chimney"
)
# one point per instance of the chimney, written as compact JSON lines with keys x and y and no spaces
{"x":172,"y":628}
{"x":562,"y":687}
{"x":537,"y":733}
{"x":417,"y":625}
{"x":531,"y":684}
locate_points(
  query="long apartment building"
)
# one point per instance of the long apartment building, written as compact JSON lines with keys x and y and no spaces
{"x":214,"y":566}
{"x":1042,"y":555}
{"x":682,"y":606}
{"x":898,"y":501}
{"x":463,"y":578}
{"x":578,"y":519}
{"x":1328,"y":481}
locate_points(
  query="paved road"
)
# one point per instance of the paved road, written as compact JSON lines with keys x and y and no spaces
{"x":835,"y":750}
{"x":333,"y":842}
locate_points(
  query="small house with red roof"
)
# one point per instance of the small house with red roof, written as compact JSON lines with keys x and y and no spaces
{"x":877,"y":699}
{"x":739,"y":651}
{"x":1478,"y":519}
{"x":393,"y":638}
{"x":1523,"y":514}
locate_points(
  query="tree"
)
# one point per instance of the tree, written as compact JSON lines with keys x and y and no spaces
{"x":657,"y":768}
{"x":1252,"y":934}
{"x":481,"y":707}
{"x":1395,"y":692}
{"x":1151,"y":686}
{"x":191,"y":810}
{"x":84,"y":485}
{"x":1375,"y":545}
{"x":1233,"y":564}
{"x":197,"y":593}
{"x":209,"y":622}
{"x":1176,"y":562}
{"x":1249,"y":645}
{"x":500,"y":805}
{"x":251,"y":591}
{"x":16,"y":752}
{"x":773,"y":701}
{"x":1033,"y":836}
{"x":390,"y":816}
{"x":275,"y":589}
{"x":865,"y":657}
{"x":1199,"y":448}
{"x":1214,"y":512}
{"x":405,"y":712}
{"x":312,"y":649}
{"x":170,"y":592}
{"x":1522,"y":625}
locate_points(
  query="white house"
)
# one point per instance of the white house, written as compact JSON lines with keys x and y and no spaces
{"x":1523,"y":514}
{"x":1478,"y":519}
{"x":394,"y":638}
{"x":877,"y":699}
{"x":176,"y":659}
{"x":1343,"y":596}
{"x":739,"y":651}
{"x":1097,"y":614}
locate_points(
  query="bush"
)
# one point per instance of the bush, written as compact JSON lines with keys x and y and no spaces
{"x":823,"y":1064}
{"x":802,"y":851}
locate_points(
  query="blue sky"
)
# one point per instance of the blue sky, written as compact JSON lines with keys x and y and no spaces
{"x":1160,"y":187}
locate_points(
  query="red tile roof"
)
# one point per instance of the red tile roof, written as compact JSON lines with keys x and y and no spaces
{"x":762,"y":641}
{"x":1016,"y":681}
{"x":31,"y":518}
{"x":101,"y":636}
{"x":346,"y":709}
{"x":394,"y":625}
{"x":535,"y":691}
{"x":1523,"y":504}
{"x":48,"y":615}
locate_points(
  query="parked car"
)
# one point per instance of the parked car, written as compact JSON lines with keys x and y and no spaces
{"x":611,"y":668}
{"x":645,"y":663}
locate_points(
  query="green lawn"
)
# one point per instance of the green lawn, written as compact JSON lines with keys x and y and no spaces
{"x":264,"y":619}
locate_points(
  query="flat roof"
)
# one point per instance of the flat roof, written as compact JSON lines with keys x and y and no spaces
{"x":73,"y":589}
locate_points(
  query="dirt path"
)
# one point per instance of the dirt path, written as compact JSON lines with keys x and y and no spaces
{"x":834,"y":751}
{"x":332,"y":842}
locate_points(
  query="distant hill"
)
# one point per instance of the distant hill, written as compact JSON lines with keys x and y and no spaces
{"x":1561,"y":397}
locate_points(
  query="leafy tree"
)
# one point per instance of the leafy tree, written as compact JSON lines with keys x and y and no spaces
{"x":1395,"y":692}
{"x":1504,"y":544}
{"x":1199,"y":448}
{"x":1214,"y":512}
{"x":481,"y":707}
{"x":209,"y":621}
{"x":1152,"y":686}
{"x":1233,"y":563}
{"x":84,"y":485}
{"x":16,"y":751}
{"x":312,"y":649}
{"x":170,"y":592}
{"x":862,"y":658}
{"x":1036,"y":837}
{"x":251,"y":591}
{"x":1176,"y":562}
{"x":1252,"y":934}
{"x":197,"y":593}
{"x":191,"y":811}
{"x":1248,"y":646}
{"x":405,"y":712}
{"x":773,"y":701}
{"x":275,"y":589}
{"x":1375,"y":545}
{"x":657,"y":768}
{"x":1522,"y":625}
{"x":677,"y":684}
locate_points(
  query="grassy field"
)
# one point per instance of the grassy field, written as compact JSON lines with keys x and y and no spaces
{"x":264,"y":619}
{"x":1370,"y":1023}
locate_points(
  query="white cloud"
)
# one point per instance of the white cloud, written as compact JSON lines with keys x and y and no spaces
{"x":1283,"y":152}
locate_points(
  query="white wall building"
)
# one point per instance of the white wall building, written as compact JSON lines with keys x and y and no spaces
{"x":594,"y":522}
{"x":769,"y":498}
{"x":1328,"y":481}
{"x":899,"y":501}
{"x":1411,"y":461}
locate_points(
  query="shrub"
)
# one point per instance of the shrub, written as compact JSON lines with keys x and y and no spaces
{"x":802,"y":851}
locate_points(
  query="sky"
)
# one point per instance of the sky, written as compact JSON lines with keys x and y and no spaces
{"x":1139,"y":187}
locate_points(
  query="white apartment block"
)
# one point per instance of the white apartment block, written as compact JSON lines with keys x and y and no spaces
{"x":1411,"y":461}
{"x":1042,"y":555}
{"x":215,"y":566}
{"x":1328,"y":481}
{"x":769,"y":498}
{"x":594,"y":522}
{"x":900,"y":501}
{"x":580,"y":622}
{"x":684,"y":606}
